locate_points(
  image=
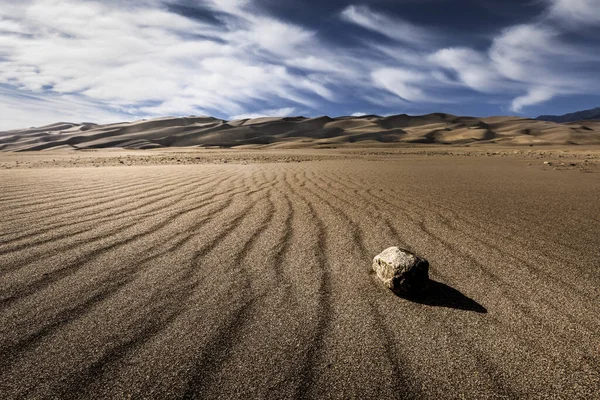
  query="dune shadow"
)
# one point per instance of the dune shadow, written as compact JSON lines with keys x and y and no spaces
{"x":440,"y":295}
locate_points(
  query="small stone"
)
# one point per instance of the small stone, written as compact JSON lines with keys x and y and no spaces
{"x":401,"y":271}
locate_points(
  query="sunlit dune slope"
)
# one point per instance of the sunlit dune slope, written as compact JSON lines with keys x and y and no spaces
{"x":294,"y":132}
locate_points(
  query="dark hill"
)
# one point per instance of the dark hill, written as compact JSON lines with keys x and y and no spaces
{"x":586,"y":115}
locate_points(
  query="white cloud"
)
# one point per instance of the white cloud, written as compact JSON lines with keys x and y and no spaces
{"x":472,"y":67}
{"x":520,"y":52}
{"x":233,"y":7}
{"x":538,"y":57}
{"x":277,"y":37}
{"x":29,"y":110}
{"x":575,"y":11}
{"x":395,"y":28}
{"x":141,"y":53}
{"x":140,"y":58}
{"x":534,"y":96}
{"x":519,"y":59}
{"x":358,"y":114}
{"x":321,"y":64}
{"x":279,"y":112}
{"x":532,"y":58}
{"x":10,"y":26}
{"x":406,"y":84}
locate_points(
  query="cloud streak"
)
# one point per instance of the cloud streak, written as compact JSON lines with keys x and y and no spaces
{"x":101,"y":60}
{"x":394,"y":28}
{"x":574,"y":11}
{"x":277,"y":112}
{"x":149,"y":60}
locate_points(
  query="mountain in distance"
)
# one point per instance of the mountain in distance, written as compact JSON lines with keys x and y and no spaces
{"x":585,"y":115}
{"x":301,"y":132}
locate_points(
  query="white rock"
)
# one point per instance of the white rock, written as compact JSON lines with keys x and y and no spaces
{"x":401,"y":270}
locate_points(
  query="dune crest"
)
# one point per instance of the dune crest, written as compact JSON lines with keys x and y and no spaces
{"x":301,"y":132}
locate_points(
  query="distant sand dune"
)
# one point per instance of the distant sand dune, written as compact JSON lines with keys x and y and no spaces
{"x":298,"y":132}
{"x":253,"y":281}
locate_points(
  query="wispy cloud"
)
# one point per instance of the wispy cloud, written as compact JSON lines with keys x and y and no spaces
{"x":535,"y":62}
{"x":472,"y":68}
{"x":277,"y":112}
{"x":534,"y":95}
{"x":105,"y":60}
{"x":407,"y":84}
{"x":24,"y":110}
{"x":575,"y":11}
{"x":394,"y":28}
{"x":130,"y":58}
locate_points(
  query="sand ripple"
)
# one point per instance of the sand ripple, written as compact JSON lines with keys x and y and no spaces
{"x":253,"y":281}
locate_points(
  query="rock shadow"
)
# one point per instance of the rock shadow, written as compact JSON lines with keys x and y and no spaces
{"x":440,"y":295}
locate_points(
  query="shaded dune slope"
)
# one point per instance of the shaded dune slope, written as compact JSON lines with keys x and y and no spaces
{"x":294,"y":132}
{"x":254,"y":282}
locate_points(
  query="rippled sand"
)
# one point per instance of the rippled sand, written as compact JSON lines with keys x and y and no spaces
{"x":253,"y":281}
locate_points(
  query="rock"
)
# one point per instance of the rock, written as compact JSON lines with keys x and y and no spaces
{"x":401,"y":270}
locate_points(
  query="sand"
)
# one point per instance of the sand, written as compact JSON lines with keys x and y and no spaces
{"x":300,"y":132}
{"x":251,"y":278}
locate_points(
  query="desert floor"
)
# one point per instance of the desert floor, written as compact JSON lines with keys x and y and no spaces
{"x":205,"y":274}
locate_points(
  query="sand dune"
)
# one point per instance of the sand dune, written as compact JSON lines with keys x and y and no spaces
{"x":253,"y":281}
{"x":298,"y":132}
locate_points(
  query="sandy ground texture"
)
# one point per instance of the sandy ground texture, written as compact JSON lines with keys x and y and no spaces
{"x":581,"y":158}
{"x":252,"y":279}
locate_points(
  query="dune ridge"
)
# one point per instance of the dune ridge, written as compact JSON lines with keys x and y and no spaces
{"x":300,"y":132}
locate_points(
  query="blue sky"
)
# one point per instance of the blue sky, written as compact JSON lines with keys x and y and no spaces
{"x":103,"y":61}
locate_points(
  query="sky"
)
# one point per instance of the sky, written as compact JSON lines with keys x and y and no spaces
{"x":109,"y":61}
